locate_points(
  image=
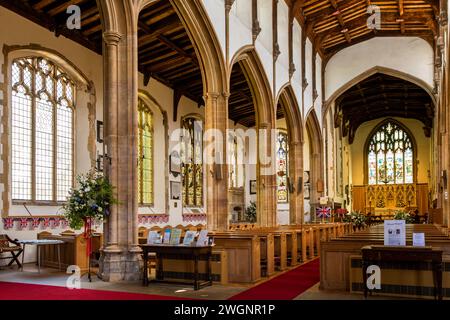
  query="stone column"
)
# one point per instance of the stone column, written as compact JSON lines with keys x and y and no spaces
{"x":296,"y":209}
{"x":216,"y":125}
{"x":121,"y":254}
{"x":266,"y":177}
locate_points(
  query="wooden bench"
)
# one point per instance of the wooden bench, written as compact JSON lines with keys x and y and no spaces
{"x":335,"y":254}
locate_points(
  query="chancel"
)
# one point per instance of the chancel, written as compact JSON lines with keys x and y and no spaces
{"x":224,"y":150}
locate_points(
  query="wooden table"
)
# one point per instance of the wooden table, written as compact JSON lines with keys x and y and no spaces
{"x":195,"y":253}
{"x":375,"y":254}
{"x":38,"y":243}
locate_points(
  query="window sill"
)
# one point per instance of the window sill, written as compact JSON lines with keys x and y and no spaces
{"x":39,"y":203}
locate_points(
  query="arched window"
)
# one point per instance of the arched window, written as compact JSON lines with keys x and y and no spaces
{"x":145,"y":151}
{"x":390,"y":155}
{"x":192,"y":157}
{"x":282,"y":166}
{"x":43,"y":99}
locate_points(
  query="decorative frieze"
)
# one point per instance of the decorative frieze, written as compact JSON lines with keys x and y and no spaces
{"x":33,"y":223}
{"x":194,"y":217}
{"x":153,"y":218}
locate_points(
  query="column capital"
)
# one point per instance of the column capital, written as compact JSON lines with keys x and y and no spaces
{"x":111,"y":37}
{"x":211,"y":95}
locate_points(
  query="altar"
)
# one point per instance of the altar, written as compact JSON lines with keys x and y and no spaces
{"x":385,"y":200}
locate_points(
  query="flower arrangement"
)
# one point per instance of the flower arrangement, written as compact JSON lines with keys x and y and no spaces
{"x":250,"y":212}
{"x":403,"y":215}
{"x":357,"y":219}
{"x":91,"y":200}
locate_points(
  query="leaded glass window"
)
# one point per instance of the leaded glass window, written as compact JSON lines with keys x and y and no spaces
{"x":192,"y":157}
{"x":145,"y":153}
{"x":390,"y":156}
{"x":282,"y":166}
{"x":43,"y":99}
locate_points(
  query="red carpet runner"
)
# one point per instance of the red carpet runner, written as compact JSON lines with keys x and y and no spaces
{"x":286,"y":286}
{"x":23,"y":291}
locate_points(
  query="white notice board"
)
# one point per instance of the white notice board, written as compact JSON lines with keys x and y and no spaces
{"x":394,"y":233}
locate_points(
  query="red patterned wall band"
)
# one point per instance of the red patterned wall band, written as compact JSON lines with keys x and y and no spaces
{"x":194,"y":217}
{"x":153,"y":218}
{"x":32,"y":223}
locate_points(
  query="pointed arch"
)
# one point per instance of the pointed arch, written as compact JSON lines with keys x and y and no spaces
{"x":286,"y":98}
{"x":206,"y":44}
{"x":259,"y":86}
{"x":265,"y":111}
{"x":316,"y":155}
{"x":378,"y":69}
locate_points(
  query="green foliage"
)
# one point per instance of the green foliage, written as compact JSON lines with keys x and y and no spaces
{"x":357,"y":219}
{"x":92,"y":199}
{"x":250,"y":212}
{"x":403,"y":215}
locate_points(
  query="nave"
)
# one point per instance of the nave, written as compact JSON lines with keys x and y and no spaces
{"x":246,"y":148}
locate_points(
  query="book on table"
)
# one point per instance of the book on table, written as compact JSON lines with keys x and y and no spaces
{"x":175,"y":237}
{"x":203,"y":239}
{"x":166,"y":236}
{"x":154,"y":237}
{"x":189,"y":237}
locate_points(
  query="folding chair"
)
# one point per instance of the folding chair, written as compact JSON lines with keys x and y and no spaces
{"x":15,"y":249}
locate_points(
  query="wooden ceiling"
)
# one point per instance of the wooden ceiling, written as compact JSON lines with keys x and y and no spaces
{"x":335,"y":24}
{"x":379,"y":96}
{"x":240,"y":103}
{"x":165,"y":50}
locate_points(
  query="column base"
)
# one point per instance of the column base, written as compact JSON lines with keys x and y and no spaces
{"x":120,"y":265}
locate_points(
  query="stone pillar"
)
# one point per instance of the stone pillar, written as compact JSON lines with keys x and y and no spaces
{"x":121,"y":255}
{"x":296,"y":208}
{"x":266,"y":177}
{"x":216,"y":125}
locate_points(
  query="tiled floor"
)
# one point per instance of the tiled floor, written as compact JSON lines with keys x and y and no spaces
{"x":216,"y":292}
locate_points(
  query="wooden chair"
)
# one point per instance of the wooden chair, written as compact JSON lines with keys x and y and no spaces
{"x":15,"y":249}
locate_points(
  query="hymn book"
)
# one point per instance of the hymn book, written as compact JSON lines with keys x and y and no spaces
{"x":175,"y":237}
{"x":189,"y":237}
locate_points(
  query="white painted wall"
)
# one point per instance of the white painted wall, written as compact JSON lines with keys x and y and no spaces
{"x":410,"y":55}
{"x":216,"y":13}
{"x":308,"y":93}
{"x":264,"y":42}
{"x":282,"y":63}
{"x":318,"y":101}
{"x":90,"y":64}
{"x":297,"y":59}
{"x":240,"y":26}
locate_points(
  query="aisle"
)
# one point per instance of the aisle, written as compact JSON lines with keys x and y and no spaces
{"x":286,"y":286}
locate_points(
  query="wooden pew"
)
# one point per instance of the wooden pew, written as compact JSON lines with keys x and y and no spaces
{"x":73,"y":251}
{"x":335,"y":254}
{"x":244,"y":255}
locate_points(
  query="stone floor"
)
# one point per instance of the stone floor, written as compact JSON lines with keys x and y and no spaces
{"x":54,"y":277}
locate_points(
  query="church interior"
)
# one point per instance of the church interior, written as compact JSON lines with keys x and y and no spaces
{"x":305,"y":149}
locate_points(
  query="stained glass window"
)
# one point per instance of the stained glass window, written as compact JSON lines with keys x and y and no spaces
{"x":390,"y":156}
{"x":282,"y":166}
{"x":43,"y":99}
{"x":145,"y":153}
{"x":192,"y":158}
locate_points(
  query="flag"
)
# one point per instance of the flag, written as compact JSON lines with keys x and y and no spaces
{"x":323,"y":212}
